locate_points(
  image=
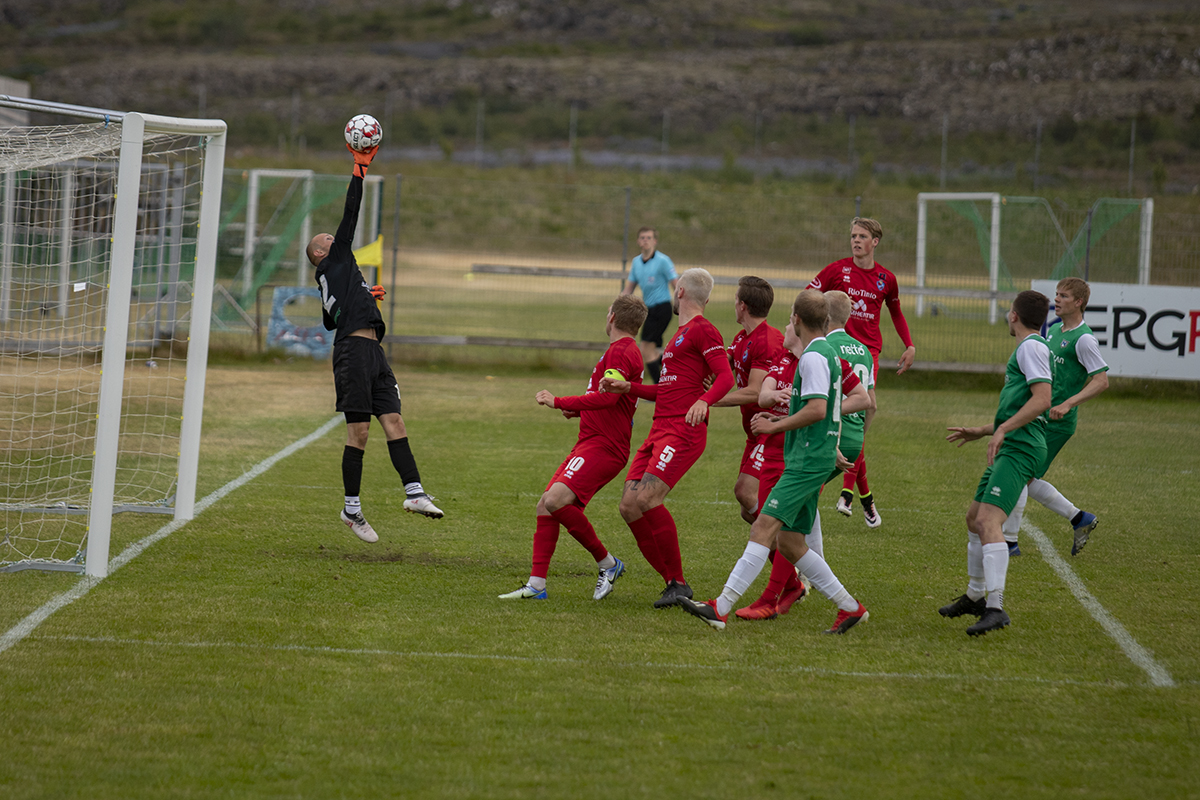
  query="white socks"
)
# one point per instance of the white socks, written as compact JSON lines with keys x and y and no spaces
{"x":415,"y":489}
{"x":813,"y":540}
{"x":1052,"y":499}
{"x":824,"y":581}
{"x":537,"y":584}
{"x":745,"y":571}
{"x":995,"y":570}
{"x":1012,"y":525}
{"x":353,"y":506}
{"x":976,"y":586}
{"x":608,"y":562}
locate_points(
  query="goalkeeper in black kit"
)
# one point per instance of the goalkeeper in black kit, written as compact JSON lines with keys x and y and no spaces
{"x":364,"y":381}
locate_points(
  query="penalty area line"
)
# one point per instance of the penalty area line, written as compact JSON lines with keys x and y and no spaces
{"x":1139,"y":655}
{"x":545,"y":660}
{"x":30,"y":623}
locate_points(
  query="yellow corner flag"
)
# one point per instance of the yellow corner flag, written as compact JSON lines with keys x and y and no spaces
{"x":370,"y":255}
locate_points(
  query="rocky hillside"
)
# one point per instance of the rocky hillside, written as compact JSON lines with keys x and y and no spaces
{"x":995,"y":67}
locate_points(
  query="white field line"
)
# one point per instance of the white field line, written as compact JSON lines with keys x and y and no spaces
{"x":27,"y":626}
{"x":544,"y":660}
{"x":1136,"y":653}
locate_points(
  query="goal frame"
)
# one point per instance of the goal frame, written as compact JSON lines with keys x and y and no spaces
{"x":135,"y":126}
{"x":997,"y":201}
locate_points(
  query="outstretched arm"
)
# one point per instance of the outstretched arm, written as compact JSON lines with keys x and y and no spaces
{"x":362,"y":160}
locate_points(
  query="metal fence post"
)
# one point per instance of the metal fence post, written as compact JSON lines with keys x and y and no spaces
{"x":1145,"y":239}
{"x":395,"y":260}
{"x":994,"y":260}
{"x":1037,"y":154}
{"x":1087,"y":253}
{"x":945,"y":136}
{"x":625,"y":241}
{"x":922,"y":210}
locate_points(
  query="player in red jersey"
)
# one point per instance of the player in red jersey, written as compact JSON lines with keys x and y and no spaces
{"x":784,"y":588}
{"x":753,"y":350}
{"x":679,"y":431}
{"x":599,"y":455}
{"x":870,"y":287}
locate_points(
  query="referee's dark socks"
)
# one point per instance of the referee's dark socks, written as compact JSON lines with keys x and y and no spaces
{"x":352,"y":461}
{"x":403,"y":461}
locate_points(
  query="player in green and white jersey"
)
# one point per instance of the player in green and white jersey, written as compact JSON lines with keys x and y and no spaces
{"x":1079,"y":375}
{"x":810,"y":454}
{"x":1015,"y":452}
{"x":856,"y":354}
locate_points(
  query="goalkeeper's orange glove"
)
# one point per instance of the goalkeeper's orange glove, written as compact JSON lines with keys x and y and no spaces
{"x":362,"y":159}
{"x":377,"y":292}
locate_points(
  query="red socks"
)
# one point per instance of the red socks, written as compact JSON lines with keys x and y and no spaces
{"x":545,"y":539}
{"x":579,"y":526}
{"x":666,"y":537}
{"x":783,"y":577}
{"x":857,"y":475}
{"x":643,"y":534}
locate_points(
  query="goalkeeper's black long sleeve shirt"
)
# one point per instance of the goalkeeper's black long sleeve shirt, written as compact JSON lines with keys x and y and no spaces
{"x":345,"y":296}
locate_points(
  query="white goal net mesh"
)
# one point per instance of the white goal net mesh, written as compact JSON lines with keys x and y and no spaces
{"x":57,"y":192}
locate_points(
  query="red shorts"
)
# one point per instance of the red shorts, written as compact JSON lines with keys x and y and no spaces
{"x":670,"y":450}
{"x":587,"y":470}
{"x":772,"y":469}
{"x":752,"y":457}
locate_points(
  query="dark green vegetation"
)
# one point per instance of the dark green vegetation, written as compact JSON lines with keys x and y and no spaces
{"x":262,"y":651}
{"x":851,"y":87}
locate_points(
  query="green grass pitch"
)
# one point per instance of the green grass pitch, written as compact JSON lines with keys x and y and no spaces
{"x":262,"y":651}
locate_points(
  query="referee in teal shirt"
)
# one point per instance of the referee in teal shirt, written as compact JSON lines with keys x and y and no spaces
{"x":655,"y":273}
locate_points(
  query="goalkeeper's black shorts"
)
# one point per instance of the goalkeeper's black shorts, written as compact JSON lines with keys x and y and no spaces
{"x":363,"y":379}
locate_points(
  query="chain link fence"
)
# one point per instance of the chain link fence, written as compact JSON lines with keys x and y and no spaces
{"x":472,"y":265}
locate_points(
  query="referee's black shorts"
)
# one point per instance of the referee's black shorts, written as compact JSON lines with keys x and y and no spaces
{"x":658,"y":317}
{"x":364,"y":381}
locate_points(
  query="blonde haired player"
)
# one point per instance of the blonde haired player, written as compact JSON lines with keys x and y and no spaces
{"x":1080,"y":374}
{"x":870,"y":287}
{"x":679,"y":431}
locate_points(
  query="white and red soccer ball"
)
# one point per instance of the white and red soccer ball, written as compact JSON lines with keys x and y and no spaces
{"x":363,"y":132}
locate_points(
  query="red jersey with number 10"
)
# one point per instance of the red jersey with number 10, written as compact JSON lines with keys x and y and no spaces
{"x":604,"y":417}
{"x":869,"y":290}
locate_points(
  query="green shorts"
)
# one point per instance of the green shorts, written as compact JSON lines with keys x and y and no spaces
{"x":1056,"y":438}
{"x":1015,"y":466}
{"x":850,"y":448}
{"x":793,"y":501}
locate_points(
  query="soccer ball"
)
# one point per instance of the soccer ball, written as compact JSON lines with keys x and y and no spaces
{"x":363,"y":132}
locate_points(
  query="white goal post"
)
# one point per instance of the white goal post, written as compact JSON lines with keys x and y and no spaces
{"x":1019,"y":229}
{"x":116,"y":194}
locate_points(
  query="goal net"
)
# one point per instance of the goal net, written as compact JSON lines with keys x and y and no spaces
{"x":107,"y":246}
